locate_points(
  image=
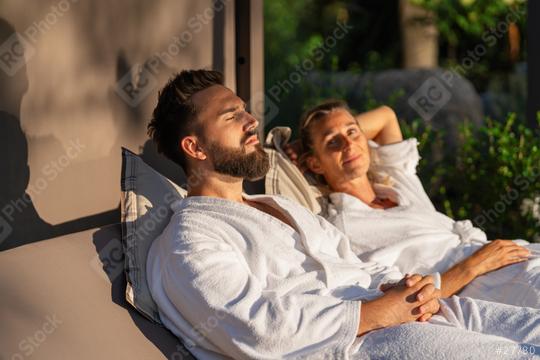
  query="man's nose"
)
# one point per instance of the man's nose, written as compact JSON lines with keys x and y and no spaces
{"x":251,"y":122}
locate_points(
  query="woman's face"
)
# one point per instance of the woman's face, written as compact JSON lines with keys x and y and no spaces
{"x":340,"y":148}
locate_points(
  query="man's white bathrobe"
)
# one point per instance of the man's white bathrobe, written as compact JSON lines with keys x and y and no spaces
{"x":233,"y":281}
{"x":416,"y":238}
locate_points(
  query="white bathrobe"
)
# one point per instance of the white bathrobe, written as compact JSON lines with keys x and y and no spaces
{"x":416,"y":238}
{"x":233,"y":281}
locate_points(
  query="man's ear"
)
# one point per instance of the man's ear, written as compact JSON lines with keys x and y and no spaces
{"x":191,"y":146}
{"x":314,"y":165}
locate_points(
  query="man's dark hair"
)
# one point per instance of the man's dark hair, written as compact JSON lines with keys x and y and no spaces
{"x":175,"y":114}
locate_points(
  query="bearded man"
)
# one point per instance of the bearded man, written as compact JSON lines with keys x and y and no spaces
{"x":260,"y":277}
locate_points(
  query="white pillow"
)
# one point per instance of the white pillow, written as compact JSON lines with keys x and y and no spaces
{"x":145,"y":208}
{"x":284,"y":178}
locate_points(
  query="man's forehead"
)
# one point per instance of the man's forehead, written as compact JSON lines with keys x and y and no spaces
{"x":213,"y":99}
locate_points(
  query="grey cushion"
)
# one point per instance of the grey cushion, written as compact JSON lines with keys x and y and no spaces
{"x":145,"y":204}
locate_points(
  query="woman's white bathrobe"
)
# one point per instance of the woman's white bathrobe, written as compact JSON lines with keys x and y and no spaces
{"x":416,"y":238}
{"x":233,"y":281}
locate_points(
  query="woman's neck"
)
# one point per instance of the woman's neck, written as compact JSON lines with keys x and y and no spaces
{"x":360,"y":188}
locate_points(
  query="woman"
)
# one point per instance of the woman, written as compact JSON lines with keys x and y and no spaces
{"x":389,"y":217}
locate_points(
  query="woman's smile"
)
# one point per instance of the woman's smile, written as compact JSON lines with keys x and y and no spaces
{"x":350,"y":159}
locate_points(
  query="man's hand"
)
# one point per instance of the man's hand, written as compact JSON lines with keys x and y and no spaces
{"x":495,"y":255}
{"x":410,"y":281}
{"x":416,"y":298}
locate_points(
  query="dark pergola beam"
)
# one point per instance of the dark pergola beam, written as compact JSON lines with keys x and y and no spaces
{"x":533,"y":61}
{"x":242,"y":21}
{"x":218,"y":37}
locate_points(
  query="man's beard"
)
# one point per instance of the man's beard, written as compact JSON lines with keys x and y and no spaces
{"x":237,"y":163}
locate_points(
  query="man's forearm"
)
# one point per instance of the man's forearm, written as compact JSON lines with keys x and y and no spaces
{"x":456,"y":278}
{"x":368,"y":321}
{"x":400,"y":304}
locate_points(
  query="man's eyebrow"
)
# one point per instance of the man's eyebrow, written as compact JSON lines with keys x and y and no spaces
{"x":330,"y":132}
{"x":232,"y":109}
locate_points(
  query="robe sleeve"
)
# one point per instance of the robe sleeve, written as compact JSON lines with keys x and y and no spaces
{"x":402,"y":156}
{"x":212,"y":287}
{"x":397,"y":163}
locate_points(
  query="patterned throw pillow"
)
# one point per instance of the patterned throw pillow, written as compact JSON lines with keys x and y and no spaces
{"x":145,"y":208}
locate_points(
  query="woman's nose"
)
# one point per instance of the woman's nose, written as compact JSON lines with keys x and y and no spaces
{"x":346,"y":143}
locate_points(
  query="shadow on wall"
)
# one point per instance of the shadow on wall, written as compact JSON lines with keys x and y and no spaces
{"x":23,"y":208}
{"x":20,"y":223}
{"x":161,"y":337}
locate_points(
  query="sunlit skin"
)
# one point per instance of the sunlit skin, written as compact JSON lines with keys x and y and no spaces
{"x":341,"y":155}
{"x":223,"y":118}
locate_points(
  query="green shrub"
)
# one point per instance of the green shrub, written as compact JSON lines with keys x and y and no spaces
{"x":493,"y":178}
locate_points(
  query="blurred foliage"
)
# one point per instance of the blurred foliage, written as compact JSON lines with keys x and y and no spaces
{"x":479,"y":30}
{"x":315,"y":94}
{"x":456,"y":18}
{"x":294,"y":29}
{"x":493,"y":179}
{"x":492,"y":164}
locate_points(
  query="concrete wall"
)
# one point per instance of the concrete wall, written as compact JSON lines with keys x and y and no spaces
{"x":86,"y":86}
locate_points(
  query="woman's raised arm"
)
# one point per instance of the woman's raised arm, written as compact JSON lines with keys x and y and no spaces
{"x":381,"y":125}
